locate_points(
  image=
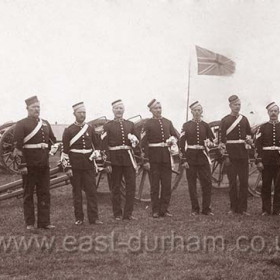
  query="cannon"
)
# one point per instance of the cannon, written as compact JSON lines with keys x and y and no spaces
{"x":58,"y":179}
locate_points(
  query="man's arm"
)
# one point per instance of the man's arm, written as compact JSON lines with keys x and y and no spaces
{"x":173,"y":131}
{"x":182,"y":143}
{"x":18,"y":143}
{"x":51,"y":135}
{"x":105,"y":145}
{"x":95,"y":139}
{"x":259,"y":145}
{"x":144,"y":143}
{"x":136,"y":146}
{"x":65,"y":161}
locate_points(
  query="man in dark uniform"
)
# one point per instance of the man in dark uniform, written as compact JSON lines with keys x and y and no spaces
{"x":195,"y":139}
{"x":79,"y":144}
{"x":268,"y":160}
{"x":236,"y":137}
{"x":33,"y":138}
{"x":118,"y":140}
{"x":157,"y":137}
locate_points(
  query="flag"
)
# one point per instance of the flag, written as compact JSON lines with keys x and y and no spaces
{"x":210,"y":63}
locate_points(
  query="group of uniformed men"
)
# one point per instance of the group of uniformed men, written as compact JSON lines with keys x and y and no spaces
{"x":120,"y":142}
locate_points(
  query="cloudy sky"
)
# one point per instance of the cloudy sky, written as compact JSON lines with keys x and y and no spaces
{"x":97,"y":51}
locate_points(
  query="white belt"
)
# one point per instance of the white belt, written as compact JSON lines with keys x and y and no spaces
{"x":196,"y":147}
{"x":156,"y":145}
{"x":81,"y":151}
{"x":240,"y":141}
{"x":123,"y":147}
{"x":271,"y":148}
{"x":129,"y":150}
{"x":36,"y":146}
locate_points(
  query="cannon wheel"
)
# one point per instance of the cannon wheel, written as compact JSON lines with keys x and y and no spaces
{"x":219,"y":169}
{"x":7,"y":161}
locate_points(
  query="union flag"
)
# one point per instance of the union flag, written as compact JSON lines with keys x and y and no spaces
{"x":210,"y":63}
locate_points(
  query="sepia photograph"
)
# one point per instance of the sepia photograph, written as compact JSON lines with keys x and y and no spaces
{"x":139,"y":139}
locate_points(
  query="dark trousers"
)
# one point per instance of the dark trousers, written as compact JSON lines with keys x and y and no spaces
{"x":202,"y":172}
{"x":238,"y":193}
{"x":129,"y":174}
{"x":269,"y":175}
{"x":84,"y":179}
{"x":38,"y":177}
{"x":160,"y":175}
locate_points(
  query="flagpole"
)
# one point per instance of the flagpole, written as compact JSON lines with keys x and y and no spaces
{"x":188,"y":93}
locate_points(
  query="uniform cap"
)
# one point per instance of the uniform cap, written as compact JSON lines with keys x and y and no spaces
{"x":233,"y":98}
{"x":194,"y":105}
{"x":31,"y":100}
{"x":153,"y":103}
{"x":78,"y":106}
{"x":271,"y":105}
{"x":117,"y":103}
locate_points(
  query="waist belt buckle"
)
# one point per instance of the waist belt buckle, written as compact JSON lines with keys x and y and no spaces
{"x":43,"y":146}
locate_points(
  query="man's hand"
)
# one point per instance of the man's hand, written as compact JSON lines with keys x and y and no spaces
{"x":108,"y":169}
{"x":260,"y":166}
{"x":222,"y":148}
{"x":69,"y":173}
{"x":249,"y":140}
{"x":185,"y":165}
{"x":23,"y":171}
{"x":147,"y":166}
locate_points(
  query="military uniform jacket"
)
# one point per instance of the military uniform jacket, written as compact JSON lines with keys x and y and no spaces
{"x":157,"y":131}
{"x":87,"y":141}
{"x":33,"y":157}
{"x":115,"y":133}
{"x":240,"y":132}
{"x":268,"y":135}
{"x":195,"y":133}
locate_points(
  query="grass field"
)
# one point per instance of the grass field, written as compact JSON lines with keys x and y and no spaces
{"x":171,"y":248}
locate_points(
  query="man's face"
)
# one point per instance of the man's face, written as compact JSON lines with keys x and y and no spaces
{"x":34,"y":110}
{"x":197,"y":112}
{"x":273,"y":113}
{"x":80,"y":115}
{"x":235,"y":107}
{"x":118,"y":111}
{"x":156,"y":110}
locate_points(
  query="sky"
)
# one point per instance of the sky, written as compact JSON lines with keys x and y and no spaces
{"x":98,"y":51}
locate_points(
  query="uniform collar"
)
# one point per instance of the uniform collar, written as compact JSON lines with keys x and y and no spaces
{"x":79,"y":124}
{"x":33,"y":118}
{"x":157,"y":118}
{"x":118,"y":120}
{"x":197,"y":121}
{"x":236,"y":116}
{"x":273,"y":122}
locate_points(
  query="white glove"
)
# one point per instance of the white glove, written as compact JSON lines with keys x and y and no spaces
{"x":133,"y":140}
{"x":95,"y":155}
{"x":54,"y":148}
{"x":171,"y":141}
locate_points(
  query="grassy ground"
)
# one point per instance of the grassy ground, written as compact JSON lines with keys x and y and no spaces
{"x":73,"y":256}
